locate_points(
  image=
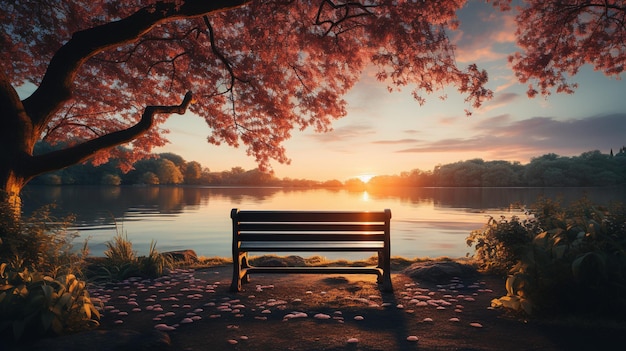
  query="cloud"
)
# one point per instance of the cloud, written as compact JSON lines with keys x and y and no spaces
{"x":508,"y":82}
{"x":483,"y":33}
{"x":413,"y":131}
{"x":499,"y":100}
{"x":448,"y":120}
{"x":496,"y":121}
{"x":503,"y":139}
{"x":466,"y":53}
{"x":346,"y":133}
{"x":395,"y":142}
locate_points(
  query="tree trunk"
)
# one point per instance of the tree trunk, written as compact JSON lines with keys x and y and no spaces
{"x":10,"y":192}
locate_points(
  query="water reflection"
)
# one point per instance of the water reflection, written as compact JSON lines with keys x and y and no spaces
{"x":481,"y":198}
{"x":425,"y":221}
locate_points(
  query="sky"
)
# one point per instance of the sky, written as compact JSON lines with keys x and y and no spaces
{"x":390,"y":133}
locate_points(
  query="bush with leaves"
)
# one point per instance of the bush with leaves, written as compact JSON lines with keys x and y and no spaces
{"x":40,"y":293}
{"x":558,"y":259}
{"x":122,"y":262}
{"x":41,"y":242}
{"x":499,"y":245}
{"x":33,"y":305}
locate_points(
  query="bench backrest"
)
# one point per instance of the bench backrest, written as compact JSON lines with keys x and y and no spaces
{"x":311,"y":225}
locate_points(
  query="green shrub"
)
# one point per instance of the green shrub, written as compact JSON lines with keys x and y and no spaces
{"x":499,"y":245}
{"x":41,"y":242}
{"x":34,"y":305}
{"x":111,"y":179}
{"x":39,"y":292}
{"x":558,"y":259}
{"x":154,"y":264}
{"x":122,"y":262}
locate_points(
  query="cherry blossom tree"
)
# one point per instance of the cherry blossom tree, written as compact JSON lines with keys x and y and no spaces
{"x":558,"y":37}
{"x":109,"y":72}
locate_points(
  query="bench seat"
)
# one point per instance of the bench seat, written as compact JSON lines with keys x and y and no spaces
{"x":310,"y":231}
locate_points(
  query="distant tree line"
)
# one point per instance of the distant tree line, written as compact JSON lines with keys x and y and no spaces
{"x":591,"y":168}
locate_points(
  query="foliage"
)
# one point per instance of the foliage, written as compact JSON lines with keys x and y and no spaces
{"x":558,"y":259}
{"x":120,"y":249}
{"x":500,"y":243}
{"x":149,"y":178}
{"x":591,"y":168}
{"x":34,"y":305}
{"x":41,"y":242}
{"x":122,"y":262}
{"x":111,"y":179}
{"x":154,"y":264}
{"x":168,"y":173}
{"x":558,"y":37}
{"x":39,"y":291}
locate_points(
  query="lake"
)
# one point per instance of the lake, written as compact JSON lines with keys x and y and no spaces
{"x":426,"y":222}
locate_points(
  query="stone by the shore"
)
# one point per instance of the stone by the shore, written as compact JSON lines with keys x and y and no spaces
{"x":439,"y":271}
{"x":187,"y":256}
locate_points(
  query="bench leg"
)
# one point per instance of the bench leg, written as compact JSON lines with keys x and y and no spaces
{"x":384,"y":262}
{"x":387,"y":286}
{"x":240,"y":271}
{"x":235,"y":285}
{"x":244,"y":265}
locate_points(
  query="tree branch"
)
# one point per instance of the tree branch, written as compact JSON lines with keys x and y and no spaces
{"x":81,"y":152}
{"x":56,"y":86}
{"x":350,"y":10}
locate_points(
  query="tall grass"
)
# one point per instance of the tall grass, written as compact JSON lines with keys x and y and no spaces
{"x":122,"y":262}
{"x":120,"y":249}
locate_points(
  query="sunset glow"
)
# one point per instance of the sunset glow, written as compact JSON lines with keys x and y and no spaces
{"x":365,"y":177}
{"x":391,"y":133}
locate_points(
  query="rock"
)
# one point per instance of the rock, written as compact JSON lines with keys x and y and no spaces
{"x":106,"y":340}
{"x":274,"y":261}
{"x":439,"y":271}
{"x":188,"y":256}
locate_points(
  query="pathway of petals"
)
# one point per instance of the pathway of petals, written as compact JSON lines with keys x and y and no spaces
{"x":186,"y":297}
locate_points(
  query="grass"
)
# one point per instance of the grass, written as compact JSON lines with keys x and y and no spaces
{"x":398,"y":263}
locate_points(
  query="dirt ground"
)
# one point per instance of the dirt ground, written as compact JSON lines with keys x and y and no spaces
{"x":196,"y":311}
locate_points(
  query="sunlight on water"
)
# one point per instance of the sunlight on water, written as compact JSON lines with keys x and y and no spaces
{"x":428,"y":222}
{"x":365,"y":197}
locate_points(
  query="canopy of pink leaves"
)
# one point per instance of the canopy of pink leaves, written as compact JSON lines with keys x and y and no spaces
{"x":558,"y":37}
{"x":257,"y":71}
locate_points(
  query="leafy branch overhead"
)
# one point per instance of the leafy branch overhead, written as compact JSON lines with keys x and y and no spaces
{"x":258,"y":70}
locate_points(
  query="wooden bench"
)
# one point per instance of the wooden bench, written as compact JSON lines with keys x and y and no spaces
{"x":310,"y":231}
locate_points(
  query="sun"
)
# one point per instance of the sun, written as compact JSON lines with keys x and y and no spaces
{"x":365,"y":177}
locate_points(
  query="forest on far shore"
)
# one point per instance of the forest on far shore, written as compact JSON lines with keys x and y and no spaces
{"x":591,"y":168}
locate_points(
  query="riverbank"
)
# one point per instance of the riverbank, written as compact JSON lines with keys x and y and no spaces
{"x":446,"y":309}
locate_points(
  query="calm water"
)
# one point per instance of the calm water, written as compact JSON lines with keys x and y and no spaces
{"x":426,"y":222}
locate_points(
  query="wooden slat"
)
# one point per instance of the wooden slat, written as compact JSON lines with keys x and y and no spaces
{"x":308,"y":237}
{"x":316,"y":270}
{"x":317,"y":227}
{"x":269,"y":246}
{"x":309,"y":216}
